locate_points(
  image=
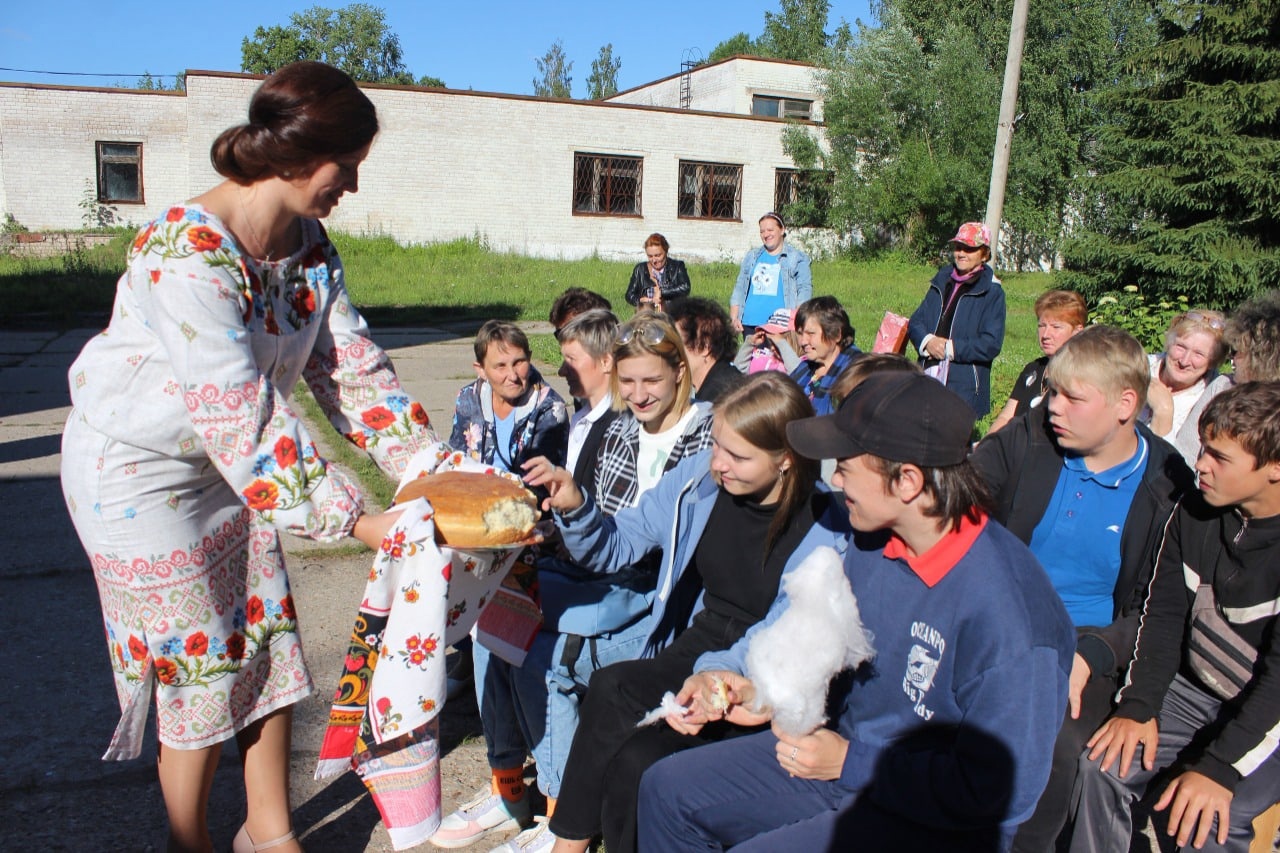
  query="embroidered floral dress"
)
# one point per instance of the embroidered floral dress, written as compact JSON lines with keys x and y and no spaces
{"x":182,"y":460}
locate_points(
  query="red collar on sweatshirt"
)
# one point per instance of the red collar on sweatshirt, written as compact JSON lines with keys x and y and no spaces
{"x":932,"y":566}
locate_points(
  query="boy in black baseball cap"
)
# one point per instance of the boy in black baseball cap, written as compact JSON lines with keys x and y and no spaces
{"x":944,"y":741}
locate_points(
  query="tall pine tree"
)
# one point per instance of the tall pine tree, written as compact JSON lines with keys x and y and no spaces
{"x":1185,"y":195}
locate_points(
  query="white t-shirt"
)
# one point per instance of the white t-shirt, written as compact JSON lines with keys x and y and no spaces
{"x":654,"y":450}
{"x":1183,"y":401}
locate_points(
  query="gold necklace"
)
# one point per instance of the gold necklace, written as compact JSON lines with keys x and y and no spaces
{"x":253,"y":232}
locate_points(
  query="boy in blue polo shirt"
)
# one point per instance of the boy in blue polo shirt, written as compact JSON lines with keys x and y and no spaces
{"x":1089,"y":489}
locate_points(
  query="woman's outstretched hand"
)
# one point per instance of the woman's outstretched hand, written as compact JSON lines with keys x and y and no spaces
{"x":563,"y":494}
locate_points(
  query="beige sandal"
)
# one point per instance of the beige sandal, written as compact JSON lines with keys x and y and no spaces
{"x":243,"y":843}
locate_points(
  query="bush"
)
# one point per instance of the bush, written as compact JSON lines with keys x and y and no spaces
{"x":1129,"y":310}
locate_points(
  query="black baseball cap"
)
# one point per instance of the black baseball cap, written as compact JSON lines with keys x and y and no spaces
{"x":902,"y":417}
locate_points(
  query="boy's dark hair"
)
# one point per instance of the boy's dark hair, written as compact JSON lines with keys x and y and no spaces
{"x":1246,"y":414}
{"x":704,"y":325}
{"x":495,"y":331}
{"x":575,"y":301}
{"x":958,"y":491}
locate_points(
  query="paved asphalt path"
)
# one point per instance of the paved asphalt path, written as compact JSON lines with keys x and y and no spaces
{"x":57,"y":716}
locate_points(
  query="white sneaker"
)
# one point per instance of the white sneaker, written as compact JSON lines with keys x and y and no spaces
{"x":488,"y":812}
{"x":536,"y":839}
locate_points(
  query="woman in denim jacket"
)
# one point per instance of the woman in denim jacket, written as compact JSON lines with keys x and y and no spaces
{"x":772,"y":276}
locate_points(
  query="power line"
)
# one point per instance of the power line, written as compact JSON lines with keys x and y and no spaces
{"x":86,"y":73}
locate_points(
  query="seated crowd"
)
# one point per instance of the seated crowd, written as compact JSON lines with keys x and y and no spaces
{"x":1072,"y":617}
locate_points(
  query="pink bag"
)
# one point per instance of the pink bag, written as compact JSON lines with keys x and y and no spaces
{"x":892,"y":334}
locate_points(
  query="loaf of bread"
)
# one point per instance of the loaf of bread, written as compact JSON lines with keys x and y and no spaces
{"x":475,"y":510}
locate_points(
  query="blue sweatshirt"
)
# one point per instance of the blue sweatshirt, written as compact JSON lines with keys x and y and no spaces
{"x":953,"y":723}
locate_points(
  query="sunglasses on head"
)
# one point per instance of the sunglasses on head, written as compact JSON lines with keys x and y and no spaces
{"x":648,"y":333}
{"x":1201,"y":317}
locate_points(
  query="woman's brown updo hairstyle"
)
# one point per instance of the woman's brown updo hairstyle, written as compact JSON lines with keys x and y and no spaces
{"x":301,"y":116}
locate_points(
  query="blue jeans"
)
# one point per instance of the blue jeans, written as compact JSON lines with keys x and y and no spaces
{"x":534,"y":707}
{"x":735,"y":794}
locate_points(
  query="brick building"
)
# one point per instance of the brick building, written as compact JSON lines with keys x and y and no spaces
{"x":697,"y":156}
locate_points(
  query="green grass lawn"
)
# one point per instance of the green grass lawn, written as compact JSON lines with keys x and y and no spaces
{"x":398,"y":285}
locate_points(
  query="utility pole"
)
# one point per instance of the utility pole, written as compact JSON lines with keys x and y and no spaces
{"x":1004,"y":130}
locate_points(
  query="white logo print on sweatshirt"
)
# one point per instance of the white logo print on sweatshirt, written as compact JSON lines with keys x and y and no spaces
{"x":922,"y":666}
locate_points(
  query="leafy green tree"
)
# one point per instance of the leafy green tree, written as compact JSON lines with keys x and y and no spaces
{"x":603,"y":80}
{"x":911,"y":111}
{"x":554,"y":67}
{"x":735,"y":45}
{"x":156,"y":84}
{"x":798,"y":31}
{"x":428,"y":80}
{"x":355,"y":38}
{"x":1187,"y":167}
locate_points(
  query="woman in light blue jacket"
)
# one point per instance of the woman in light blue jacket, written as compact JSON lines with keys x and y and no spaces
{"x":772,"y":276}
{"x":729,"y":522}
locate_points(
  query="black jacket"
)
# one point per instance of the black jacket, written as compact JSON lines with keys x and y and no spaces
{"x":675,"y":281}
{"x":584,"y":473}
{"x":720,"y":379}
{"x":1240,"y":559}
{"x":1021,"y":464}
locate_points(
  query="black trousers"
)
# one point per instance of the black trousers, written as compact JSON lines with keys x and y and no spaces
{"x":1039,"y":833}
{"x":609,"y":754}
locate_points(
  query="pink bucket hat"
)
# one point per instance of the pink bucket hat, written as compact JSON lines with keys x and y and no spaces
{"x":973,"y":234}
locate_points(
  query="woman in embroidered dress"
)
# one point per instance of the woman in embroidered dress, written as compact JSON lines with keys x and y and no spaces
{"x":183,"y":458}
{"x":959,"y":327}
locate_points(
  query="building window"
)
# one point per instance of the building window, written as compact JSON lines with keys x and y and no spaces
{"x":802,"y":196}
{"x":119,"y":172}
{"x":606,"y":184}
{"x":710,"y":190}
{"x":768,"y":105}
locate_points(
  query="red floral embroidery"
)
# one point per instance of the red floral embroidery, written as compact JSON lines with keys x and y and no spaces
{"x":253,"y":610}
{"x":203,"y":238}
{"x":197,"y":644}
{"x":144,"y":237}
{"x":235,"y":646}
{"x":261,"y":495}
{"x":155,"y":276}
{"x":166,"y":670}
{"x":358,"y":439}
{"x":286,"y":608}
{"x":137,"y":648}
{"x":286,"y":452}
{"x":418,"y":415}
{"x":379,"y":417}
{"x":384,"y":705}
{"x":304,"y":302}
{"x":174,"y":214}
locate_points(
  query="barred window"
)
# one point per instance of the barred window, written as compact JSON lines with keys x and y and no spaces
{"x":607,"y":184}
{"x":802,"y":196}
{"x":119,"y":172}
{"x":710,"y":190}
{"x":768,"y":105}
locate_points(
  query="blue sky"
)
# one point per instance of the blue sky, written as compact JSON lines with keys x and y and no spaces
{"x":488,"y":46}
